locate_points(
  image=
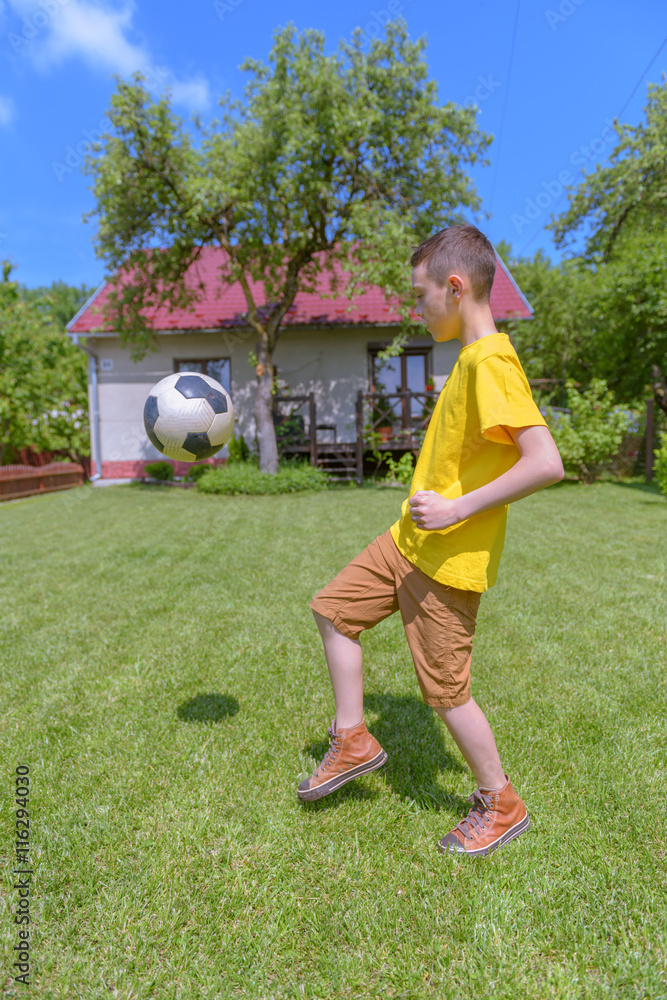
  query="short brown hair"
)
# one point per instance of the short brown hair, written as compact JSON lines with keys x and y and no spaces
{"x":459,"y":248}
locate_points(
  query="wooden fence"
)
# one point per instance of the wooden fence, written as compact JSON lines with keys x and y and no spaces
{"x":29,"y":480}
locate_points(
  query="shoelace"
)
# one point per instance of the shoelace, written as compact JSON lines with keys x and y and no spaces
{"x":335,"y":740}
{"x":474,"y":821}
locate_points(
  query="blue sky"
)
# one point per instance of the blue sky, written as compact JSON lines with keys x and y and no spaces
{"x":548,"y":99}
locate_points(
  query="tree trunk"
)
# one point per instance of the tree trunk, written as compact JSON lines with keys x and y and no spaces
{"x":263,"y":410}
{"x":659,"y":388}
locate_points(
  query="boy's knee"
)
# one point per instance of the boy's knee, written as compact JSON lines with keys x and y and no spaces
{"x":324,"y":623}
{"x":445,"y":711}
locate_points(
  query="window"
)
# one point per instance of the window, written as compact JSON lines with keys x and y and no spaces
{"x":407,"y":373}
{"x":218,"y":368}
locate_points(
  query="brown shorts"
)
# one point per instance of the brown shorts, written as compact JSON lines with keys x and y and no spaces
{"x":439,"y":621}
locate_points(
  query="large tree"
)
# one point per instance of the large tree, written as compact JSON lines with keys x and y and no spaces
{"x":621,"y":210}
{"x":344,"y":158}
{"x":556,"y":343}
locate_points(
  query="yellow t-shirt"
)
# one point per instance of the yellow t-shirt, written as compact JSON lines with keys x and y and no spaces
{"x":466,"y":446}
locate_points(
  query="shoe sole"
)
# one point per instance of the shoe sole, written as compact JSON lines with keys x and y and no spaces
{"x":310,"y":794}
{"x":481,"y":852}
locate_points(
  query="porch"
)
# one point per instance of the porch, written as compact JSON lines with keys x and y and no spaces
{"x":384,"y":422}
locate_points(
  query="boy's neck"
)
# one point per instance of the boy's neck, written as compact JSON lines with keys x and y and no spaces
{"x":475,"y":323}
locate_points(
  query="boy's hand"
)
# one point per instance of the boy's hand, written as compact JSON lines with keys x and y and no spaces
{"x":431,"y":511}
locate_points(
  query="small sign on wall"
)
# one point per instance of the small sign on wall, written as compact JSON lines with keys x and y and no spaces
{"x":106,"y":364}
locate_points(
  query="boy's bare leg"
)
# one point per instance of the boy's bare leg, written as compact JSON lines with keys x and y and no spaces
{"x":344,"y":659}
{"x":353,"y":751}
{"x":472,"y":734}
{"x":466,"y":723}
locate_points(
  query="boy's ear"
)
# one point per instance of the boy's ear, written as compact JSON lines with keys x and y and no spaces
{"x":456,"y":284}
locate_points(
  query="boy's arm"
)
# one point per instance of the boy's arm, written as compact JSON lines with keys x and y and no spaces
{"x":539,"y":465}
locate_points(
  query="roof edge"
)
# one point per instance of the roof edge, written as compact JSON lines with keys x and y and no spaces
{"x":83,"y":308}
{"x":514,"y":284}
{"x":193,"y":330}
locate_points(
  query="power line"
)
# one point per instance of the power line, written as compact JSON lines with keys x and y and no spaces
{"x":664,"y":42}
{"x":507,"y":92}
{"x":592,"y":153}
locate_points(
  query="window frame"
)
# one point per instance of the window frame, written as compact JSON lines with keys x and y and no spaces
{"x":204,"y":362}
{"x":426,"y":351}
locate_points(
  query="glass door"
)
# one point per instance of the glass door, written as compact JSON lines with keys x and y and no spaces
{"x":407,"y":373}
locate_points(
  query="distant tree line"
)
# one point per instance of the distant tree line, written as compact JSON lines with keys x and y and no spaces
{"x":43,"y":380}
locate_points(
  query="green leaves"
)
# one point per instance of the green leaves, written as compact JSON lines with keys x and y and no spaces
{"x":660,"y":467}
{"x":555,"y":344}
{"x":146,"y":177}
{"x":344,"y":157}
{"x":629,"y":191}
{"x":606,"y":319}
{"x":620,"y":208}
{"x":591,"y":433}
{"x":43,"y":395}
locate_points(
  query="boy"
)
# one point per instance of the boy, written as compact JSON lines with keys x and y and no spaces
{"x":486,"y":446}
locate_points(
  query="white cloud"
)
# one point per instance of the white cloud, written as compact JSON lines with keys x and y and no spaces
{"x":7,"y":110}
{"x":100,"y":34}
{"x":95,"y":33}
{"x":191,"y":93}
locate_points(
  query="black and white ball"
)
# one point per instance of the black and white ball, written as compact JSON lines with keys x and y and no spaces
{"x":188,"y":416}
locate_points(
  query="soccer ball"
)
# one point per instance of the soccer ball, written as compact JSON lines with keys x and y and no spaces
{"x":188,"y":416}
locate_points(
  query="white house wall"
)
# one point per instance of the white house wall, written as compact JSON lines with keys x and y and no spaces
{"x":331,"y":362}
{"x":123,"y":386}
{"x":334,"y":365}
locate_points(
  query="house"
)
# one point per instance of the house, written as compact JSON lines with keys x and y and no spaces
{"x":328,"y":346}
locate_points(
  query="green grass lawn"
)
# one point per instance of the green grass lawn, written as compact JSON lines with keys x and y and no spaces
{"x":163,"y":677}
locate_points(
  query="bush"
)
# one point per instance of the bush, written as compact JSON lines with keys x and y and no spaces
{"x":592,"y":432}
{"x":238,"y":450}
{"x":401,"y":471}
{"x":160,"y":470}
{"x":197,"y":471}
{"x":660,"y":467}
{"x":246,"y":478}
{"x":290,"y":430}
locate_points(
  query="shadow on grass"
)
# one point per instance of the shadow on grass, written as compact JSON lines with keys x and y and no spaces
{"x":208,"y":708}
{"x":414,"y":739}
{"x":628,"y":484}
{"x":651,"y":488}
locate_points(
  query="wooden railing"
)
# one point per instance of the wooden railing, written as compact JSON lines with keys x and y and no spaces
{"x":291,"y":432}
{"x":295,"y":435}
{"x":377,"y":418}
{"x":29,"y":480}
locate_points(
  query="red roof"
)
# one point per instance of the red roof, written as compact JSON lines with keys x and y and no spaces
{"x":224,"y":305}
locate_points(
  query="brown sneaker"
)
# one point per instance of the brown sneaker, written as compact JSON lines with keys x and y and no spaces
{"x":497,"y":816}
{"x":351,"y":752}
